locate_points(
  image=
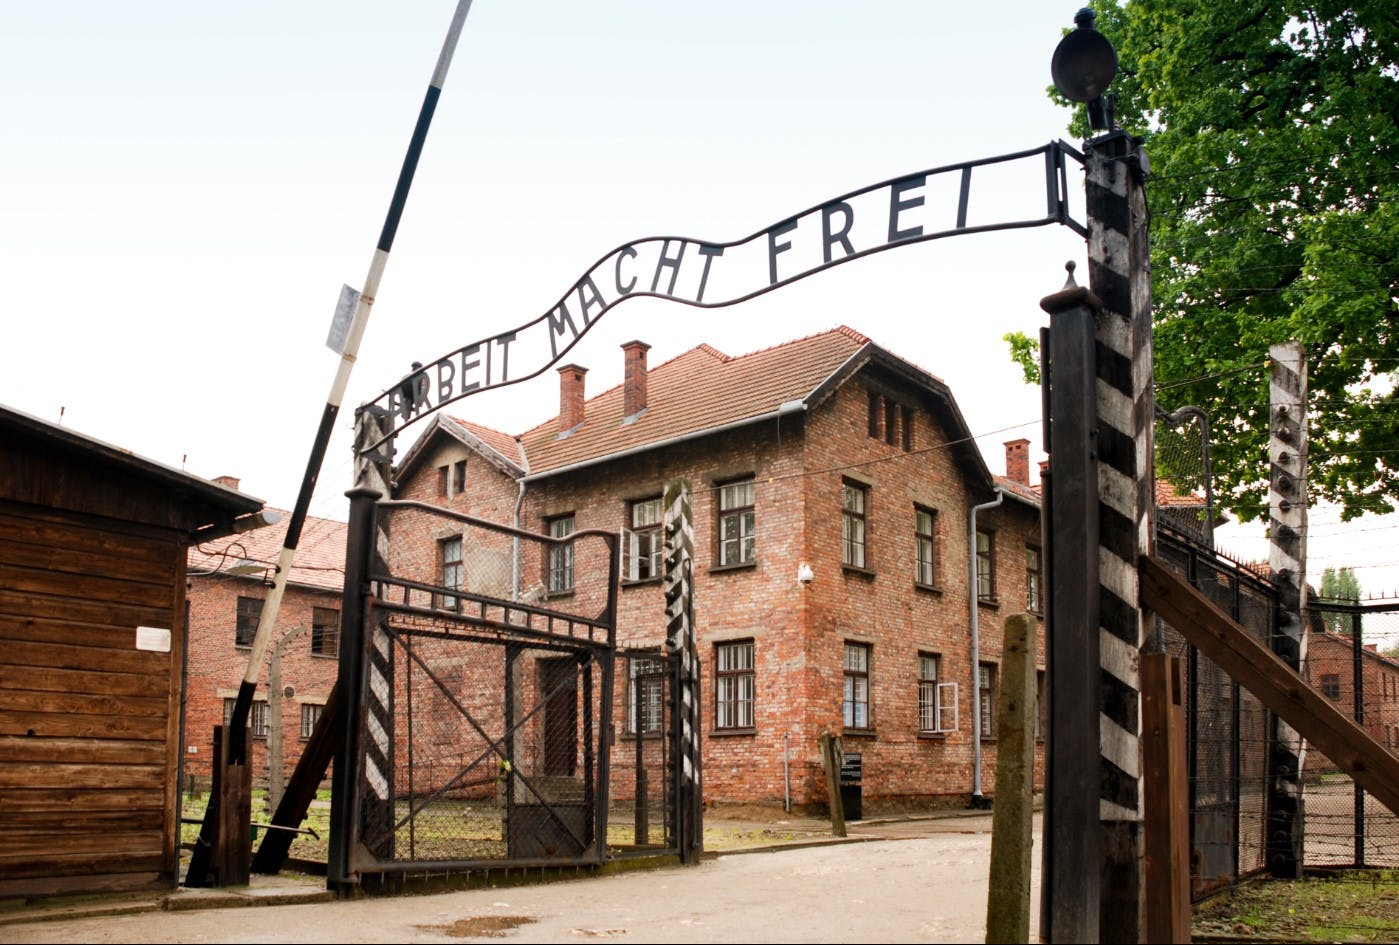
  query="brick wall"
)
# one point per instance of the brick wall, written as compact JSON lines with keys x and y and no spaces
{"x":798,"y":631}
{"x":217,"y":665}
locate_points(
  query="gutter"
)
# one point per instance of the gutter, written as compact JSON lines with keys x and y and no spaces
{"x":791,"y":406}
{"x":972,"y":599}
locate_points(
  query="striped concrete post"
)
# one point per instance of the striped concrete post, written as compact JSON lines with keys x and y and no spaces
{"x":1119,"y":275}
{"x":1287,"y":560}
{"x":374,"y":470}
{"x":678,"y":552}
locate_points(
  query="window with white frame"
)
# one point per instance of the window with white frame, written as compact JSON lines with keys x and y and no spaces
{"x":734,"y":689}
{"x":925,"y":547}
{"x":453,"y":575}
{"x":736,"y":525}
{"x":986,"y":566}
{"x":854,"y":500}
{"x":645,"y":686}
{"x":1033,"y":572}
{"x":856,"y":696}
{"x":257,"y":716}
{"x":310,"y":715}
{"x":937,"y":700}
{"x":642,"y":551}
{"x":560,"y":558}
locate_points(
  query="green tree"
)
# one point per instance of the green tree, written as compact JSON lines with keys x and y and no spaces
{"x":1273,"y":132}
{"x":1338,"y":585}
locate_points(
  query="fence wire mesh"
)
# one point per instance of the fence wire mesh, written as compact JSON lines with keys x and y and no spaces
{"x":641,"y":819}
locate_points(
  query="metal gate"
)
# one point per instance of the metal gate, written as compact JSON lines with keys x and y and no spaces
{"x":479,"y":730}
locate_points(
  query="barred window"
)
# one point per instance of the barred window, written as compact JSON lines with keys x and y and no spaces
{"x":645,"y":688}
{"x":325,"y":631}
{"x":310,"y":715}
{"x":986,"y":694}
{"x":733,"y":685}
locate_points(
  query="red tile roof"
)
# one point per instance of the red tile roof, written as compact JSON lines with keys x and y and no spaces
{"x":699,"y":390}
{"x":319,"y":561}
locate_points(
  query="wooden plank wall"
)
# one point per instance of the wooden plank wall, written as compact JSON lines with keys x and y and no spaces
{"x":89,"y":724}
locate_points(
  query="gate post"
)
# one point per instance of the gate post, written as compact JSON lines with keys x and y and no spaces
{"x":1072,"y":854}
{"x":1287,"y":561}
{"x":1120,"y":276}
{"x":680,"y":642}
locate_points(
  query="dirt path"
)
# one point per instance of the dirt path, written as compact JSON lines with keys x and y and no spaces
{"x":926,"y":883}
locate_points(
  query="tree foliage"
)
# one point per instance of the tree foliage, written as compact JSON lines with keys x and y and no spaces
{"x":1339,"y":585}
{"x":1273,"y":132}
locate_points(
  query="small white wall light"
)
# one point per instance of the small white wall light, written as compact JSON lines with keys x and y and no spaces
{"x":804,"y":574}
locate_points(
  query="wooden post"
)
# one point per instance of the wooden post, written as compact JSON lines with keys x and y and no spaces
{"x":232,"y":841}
{"x":1008,"y":901}
{"x":1166,"y":823}
{"x":831,"y":759}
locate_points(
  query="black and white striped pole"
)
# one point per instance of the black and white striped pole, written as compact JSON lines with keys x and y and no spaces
{"x":1287,"y":561}
{"x":678,"y":553}
{"x":1119,"y":449}
{"x":347,"y":330}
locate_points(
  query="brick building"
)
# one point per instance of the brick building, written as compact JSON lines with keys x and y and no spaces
{"x":1330,"y":667}
{"x":832,"y":488}
{"x":228,"y":581}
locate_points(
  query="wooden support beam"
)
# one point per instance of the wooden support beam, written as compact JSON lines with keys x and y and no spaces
{"x":1166,"y":811}
{"x":1276,"y":685}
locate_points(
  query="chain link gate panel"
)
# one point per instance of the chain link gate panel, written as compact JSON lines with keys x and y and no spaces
{"x":487,"y":704}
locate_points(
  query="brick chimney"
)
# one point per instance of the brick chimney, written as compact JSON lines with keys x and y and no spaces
{"x":228,"y":482}
{"x":570,"y":397}
{"x":634,"y":382}
{"x":1018,"y":461}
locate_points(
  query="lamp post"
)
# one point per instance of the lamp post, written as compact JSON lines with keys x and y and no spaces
{"x":1094,"y":647}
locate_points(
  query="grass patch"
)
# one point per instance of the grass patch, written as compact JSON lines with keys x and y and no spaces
{"x":1344,"y":906}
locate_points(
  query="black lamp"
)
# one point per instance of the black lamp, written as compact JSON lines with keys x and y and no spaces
{"x":1083,"y":67}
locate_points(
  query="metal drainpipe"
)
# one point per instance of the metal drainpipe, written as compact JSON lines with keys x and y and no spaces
{"x":515,"y":546}
{"x":976,"y":640}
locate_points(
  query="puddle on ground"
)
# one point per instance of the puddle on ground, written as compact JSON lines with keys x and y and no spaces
{"x":482,"y":926}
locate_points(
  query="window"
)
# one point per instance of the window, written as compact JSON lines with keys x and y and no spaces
{"x":451,"y":479}
{"x":986,"y":566}
{"x":249,"y":612}
{"x":1331,"y":686}
{"x":453,"y":576}
{"x":854,"y":500}
{"x":891,"y":422}
{"x":986,"y":695}
{"x":875,"y":414}
{"x":907,"y":428}
{"x":733,"y":685}
{"x":325,"y":631}
{"x":561,"y":556}
{"x":736,"y":536}
{"x":1032,"y":579}
{"x":258,"y":720}
{"x":257,"y":717}
{"x":645,"y":685}
{"x":925,"y":547}
{"x":642,"y":552}
{"x":1041,"y":707}
{"x":937,"y":701}
{"x":857,"y":685}
{"x":310,"y":715}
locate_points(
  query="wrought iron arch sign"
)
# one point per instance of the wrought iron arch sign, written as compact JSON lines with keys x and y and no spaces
{"x":712,"y":275}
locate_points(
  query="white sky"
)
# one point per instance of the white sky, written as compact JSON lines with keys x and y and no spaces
{"x":186,"y":186}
